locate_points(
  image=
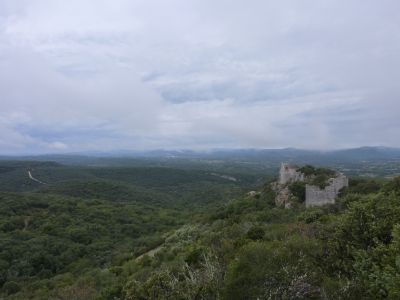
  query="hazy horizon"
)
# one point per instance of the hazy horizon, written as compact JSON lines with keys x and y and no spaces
{"x":132,"y":153}
{"x":86,"y":76}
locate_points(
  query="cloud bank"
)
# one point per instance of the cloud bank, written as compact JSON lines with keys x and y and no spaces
{"x":106,"y":75}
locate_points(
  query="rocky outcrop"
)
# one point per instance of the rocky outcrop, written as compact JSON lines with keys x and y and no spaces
{"x":283,"y":197}
{"x":253,"y":194}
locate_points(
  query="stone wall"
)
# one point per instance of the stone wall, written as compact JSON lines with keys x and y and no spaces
{"x":288,"y":173}
{"x":316,"y":196}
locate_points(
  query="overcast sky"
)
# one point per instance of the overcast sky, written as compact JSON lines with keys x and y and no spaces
{"x":83,"y":75}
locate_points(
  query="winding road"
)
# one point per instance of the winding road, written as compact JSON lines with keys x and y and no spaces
{"x":34,"y":179}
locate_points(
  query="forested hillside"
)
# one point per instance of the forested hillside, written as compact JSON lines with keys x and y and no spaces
{"x":252,"y":250}
{"x":163,"y":233}
{"x":77,"y":222}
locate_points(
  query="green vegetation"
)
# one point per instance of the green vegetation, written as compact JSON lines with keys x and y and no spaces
{"x":70,"y":235}
{"x":49,"y":239}
{"x":254,"y":251}
{"x":162,"y":233}
{"x":316,"y":176}
{"x":298,"y":189}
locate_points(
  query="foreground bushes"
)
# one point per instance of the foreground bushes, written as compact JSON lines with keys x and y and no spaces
{"x":347,"y":251}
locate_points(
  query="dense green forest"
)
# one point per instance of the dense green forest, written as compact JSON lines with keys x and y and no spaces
{"x":176,"y":233}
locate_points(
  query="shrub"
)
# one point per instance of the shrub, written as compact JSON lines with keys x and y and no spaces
{"x":311,"y":215}
{"x":256,"y":233}
{"x":271,"y":271}
{"x":11,"y":287}
{"x":298,"y":189}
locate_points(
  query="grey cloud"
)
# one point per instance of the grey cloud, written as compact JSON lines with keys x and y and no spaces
{"x":39,"y":103}
{"x":150,"y":74}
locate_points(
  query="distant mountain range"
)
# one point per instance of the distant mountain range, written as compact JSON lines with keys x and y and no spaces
{"x":286,"y":154}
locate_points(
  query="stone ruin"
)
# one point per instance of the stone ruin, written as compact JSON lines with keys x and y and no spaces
{"x":315,"y":196}
{"x":288,"y":173}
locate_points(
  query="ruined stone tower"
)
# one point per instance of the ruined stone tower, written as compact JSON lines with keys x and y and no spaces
{"x":288,"y":173}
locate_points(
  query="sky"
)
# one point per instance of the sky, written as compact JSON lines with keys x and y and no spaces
{"x":105,"y":75}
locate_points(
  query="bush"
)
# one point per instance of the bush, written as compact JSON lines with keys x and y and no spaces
{"x":271,"y":271}
{"x":362,"y":186}
{"x":311,"y":215}
{"x":362,"y":245}
{"x":392,"y":186}
{"x":194,"y":257}
{"x":307,"y":170}
{"x":256,"y":233}
{"x":184,"y":283}
{"x":298,"y":189}
{"x":11,"y":287}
